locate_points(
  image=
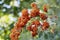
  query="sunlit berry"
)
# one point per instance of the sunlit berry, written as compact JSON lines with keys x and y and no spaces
{"x":24,"y":12}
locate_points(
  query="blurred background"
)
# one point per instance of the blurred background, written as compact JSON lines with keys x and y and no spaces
{"x":10,"y":10}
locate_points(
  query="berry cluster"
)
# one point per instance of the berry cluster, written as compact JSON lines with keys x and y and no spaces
{"x":15,"y":32}
{"x":19,"y":25}
{"x":34,"y":27}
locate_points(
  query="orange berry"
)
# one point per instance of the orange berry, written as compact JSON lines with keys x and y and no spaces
{"x":45,"y":25}
{"x":19,"y":19}
{"x":24,"y":12}
{"x":33,"y":5}
{"x":22,"y":24}
{"x":34,"y":12}
{"x":36,"y":22}
{"x":12,"y":35}
{"x":43,"y":16}
{"x":34,"y":34}
{"x":45,"y":8}
{"x":29,"y":28}
{"x":24,"y":20}
{"x":17,"y":33}
{"x":34,"y":29}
